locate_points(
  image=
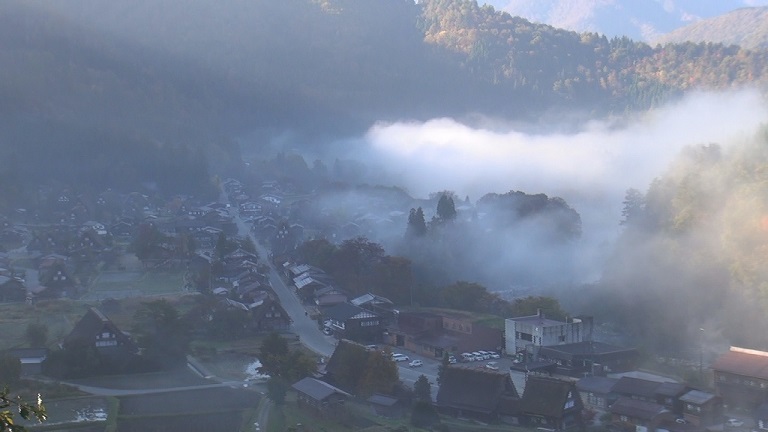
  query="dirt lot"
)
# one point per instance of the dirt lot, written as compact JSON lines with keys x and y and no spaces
{"x":167,"y":379}
{"x":190,"y":401}
{"x":229,"y":421}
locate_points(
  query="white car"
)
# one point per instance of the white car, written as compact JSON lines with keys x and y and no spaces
{"x":735,"y":422}
{"x":400,"y":357}
{"x":416,"y":363}
{"x":492,"y":365}
{"x":495,"y":355}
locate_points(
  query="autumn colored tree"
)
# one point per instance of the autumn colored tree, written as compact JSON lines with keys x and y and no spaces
{"x":380,"y":375}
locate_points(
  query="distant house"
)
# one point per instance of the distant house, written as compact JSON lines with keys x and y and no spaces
{"x":386,"y":406}
{"x":55,"y":275}
{"x":668,"y":394}
{"x":588,"y":357}
{"x":12,"y":290}
{"x":636,"y":415}
{"x":636,"y":388}
{"x":379,"y":305}
{"x":355,"y":323}
{"x":551,"y":403}
{"x":432,"y":334}
{"x":597,"y":392}
{"x":482,"y":394}
{"x":268,"y":315}
{"x":31,"y":359}
{"x":741,"y":378}
{"x":96,"y":330}
{"x":319,"y":397}
{"x":701,"y":408}
{"x":522,"y":334}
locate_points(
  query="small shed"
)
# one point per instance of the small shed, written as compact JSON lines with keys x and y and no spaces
{"x":318,"y":396}
{"x":386,"y":406}
{"x":31,"y":359}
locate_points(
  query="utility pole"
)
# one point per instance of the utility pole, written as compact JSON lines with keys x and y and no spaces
{"x":701,"y":354}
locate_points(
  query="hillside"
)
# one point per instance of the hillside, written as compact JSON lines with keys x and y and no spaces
{"x":746,"y":27}
{"x":638,"y":20}
{"x":114,"y":82}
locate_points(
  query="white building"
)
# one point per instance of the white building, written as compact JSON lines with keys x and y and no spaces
{"x":524,"y":334}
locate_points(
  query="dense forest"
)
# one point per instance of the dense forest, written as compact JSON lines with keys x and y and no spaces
{"x":692,"y":252}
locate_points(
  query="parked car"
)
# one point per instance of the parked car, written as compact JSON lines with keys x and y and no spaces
{"x":400,"y":357}
{"x":327,"y":331}
{"x":492,"y":365}
{"x":478,"y":356}
{"x":416,"y":363}
{"x":485,"y":354}
{"x":735,"y":422}
{"x":452,"y":360}
{"x":371,"y":347}
{"x":467,"y":357}
{"x":495,"y":355}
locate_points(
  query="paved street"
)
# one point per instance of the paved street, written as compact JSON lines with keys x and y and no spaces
{"x":306,"y":328}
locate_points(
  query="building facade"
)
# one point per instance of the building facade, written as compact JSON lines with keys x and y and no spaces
{"x":523,"y":334}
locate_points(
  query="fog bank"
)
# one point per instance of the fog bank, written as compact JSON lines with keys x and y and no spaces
{"x":591,"y":168}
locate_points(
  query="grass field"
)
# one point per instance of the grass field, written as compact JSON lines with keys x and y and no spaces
{"x":135,"y":283}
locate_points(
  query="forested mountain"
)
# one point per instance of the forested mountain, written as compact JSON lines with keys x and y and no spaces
{"x":88,"y":79}
{"x":746,"y":27}
{"x":639,"y":20}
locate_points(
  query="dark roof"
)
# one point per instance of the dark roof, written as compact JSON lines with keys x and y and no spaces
{"x":697,"y":397}
{"x":671,"y":389}
{"x":596,"y":384}
{"x":370,"y":298}
{"x":317,"y":389}
{"x":747,"y":363}
{"x":636,"y":408}
{"x":546,"y":396}
{"x":344,"y":311}
{"x":344,"y":350}
{"x":629,"y":386}
{"x":92,"y":324}
{"x":474,"y":389}
{"x":382,"y":400}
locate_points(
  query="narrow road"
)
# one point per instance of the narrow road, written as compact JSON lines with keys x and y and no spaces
{"x":306,"y":328}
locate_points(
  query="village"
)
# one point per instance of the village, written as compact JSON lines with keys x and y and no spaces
{"x":227,"y":270}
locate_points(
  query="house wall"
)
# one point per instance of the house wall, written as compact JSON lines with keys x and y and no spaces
{"x":740,"y":391}
{"x":520,"y":335}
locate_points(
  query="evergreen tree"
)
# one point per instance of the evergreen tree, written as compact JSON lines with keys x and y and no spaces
{"x":417,"y":226}
{"x":277,"y":388}
{"x":446,"y":209}
{"x":422,"y":389}
{"x":380,"y":376}
{"x":443,"y":366}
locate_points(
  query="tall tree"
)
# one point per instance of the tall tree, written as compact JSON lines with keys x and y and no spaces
{"x":634,"y":206}
{"x":272,"y":355}
{"x":277,"y":388}
{"x":422,"y":389}
{"x":446,"y":208}
{"x":380,"y":376}
{"x":444,"y":363}
{"x":417,"y":226}
{"x":37,"y":334}
{"x":162,"y":333}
